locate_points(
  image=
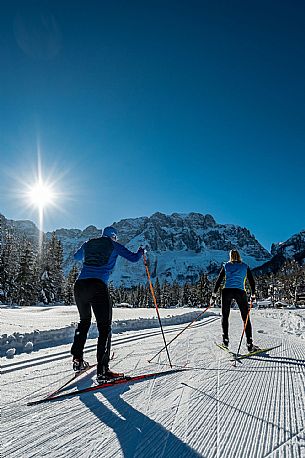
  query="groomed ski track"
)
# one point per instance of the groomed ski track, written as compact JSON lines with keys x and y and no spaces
{"x":256,"y":410}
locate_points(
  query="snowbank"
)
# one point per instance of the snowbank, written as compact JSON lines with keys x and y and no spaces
{"x":54,"y":325}
{"x":293,"y":323}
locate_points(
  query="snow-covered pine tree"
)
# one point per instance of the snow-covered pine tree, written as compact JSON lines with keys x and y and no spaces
{"x":186,"y":294}
{"x":165,"y":294}
{"x":25,"y":291}
{"x":290,"y":277}
{"x":149,"y":300}
{"x":69,"y":286}
{"x":141,"y":296}
{"x":52,"y":278}
{"x":203,"y":290}
{"x":157,"y":289}
{"x":146,"y":293}
{"x":121,"y":294}
{"x":9,"y":263}
{"x":175,"y":297}
{"x":262,"y":286}
{"x":193,"y":297}
{"x":112,"y":292}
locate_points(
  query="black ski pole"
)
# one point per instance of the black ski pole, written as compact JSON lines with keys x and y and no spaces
{"x":179,"y":333}
{"x":245,"y":325}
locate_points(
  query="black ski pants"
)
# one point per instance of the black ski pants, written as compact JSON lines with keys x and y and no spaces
{"x":92,"y":294}
{"x":227,"y":295}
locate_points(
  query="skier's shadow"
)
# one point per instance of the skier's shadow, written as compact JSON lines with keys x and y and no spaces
{"x":138,"y":435}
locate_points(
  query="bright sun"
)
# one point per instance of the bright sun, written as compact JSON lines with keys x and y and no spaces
{"x":41,"y":195}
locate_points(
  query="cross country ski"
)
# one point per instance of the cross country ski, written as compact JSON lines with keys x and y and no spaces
{"x":116,"y":381}
{"x":256,"y":352}
{"x":246,"y":355}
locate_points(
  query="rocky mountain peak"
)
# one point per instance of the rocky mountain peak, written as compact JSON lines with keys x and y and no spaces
{"x":293,"y":245}
{"x":92,"y":231}
{"x":179,"y":246}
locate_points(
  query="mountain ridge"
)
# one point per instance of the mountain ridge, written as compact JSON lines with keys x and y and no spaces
{"x":180,"y":246}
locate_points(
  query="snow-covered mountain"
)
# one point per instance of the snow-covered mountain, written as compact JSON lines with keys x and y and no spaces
{"x":293,"y":248}
{"x":180,"y":246}
{"x":22,"y":228}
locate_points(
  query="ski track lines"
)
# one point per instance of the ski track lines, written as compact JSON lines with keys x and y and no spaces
{"x":256,"y":410}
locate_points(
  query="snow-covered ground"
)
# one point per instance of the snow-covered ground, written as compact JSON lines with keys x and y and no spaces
{"x":211,"y":409}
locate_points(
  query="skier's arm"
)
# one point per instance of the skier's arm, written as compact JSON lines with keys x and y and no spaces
{"x":221,"y":276}
{"x":127,"y":254}
{"x":251,"y":281}
{"x":79,"y":254}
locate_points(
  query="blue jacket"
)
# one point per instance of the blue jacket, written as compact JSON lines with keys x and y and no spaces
{"x":235,"y":275}
{"x":99,"y":257}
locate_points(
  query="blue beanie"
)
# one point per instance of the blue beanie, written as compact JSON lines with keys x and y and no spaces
{"x":110,"y":231}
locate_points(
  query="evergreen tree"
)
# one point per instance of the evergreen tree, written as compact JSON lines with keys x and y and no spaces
{"x":203,"y":290}
{"x":69,"y":286}
{"x":165,"y":295}
{"x":112,"y":292}
{"x":157,"y":289}
{"x":146,"y":294}
{"x":122,"y":294}
{"x":52,"y":278}
{"x":290,"y":276}
{"x":141,"y":296}
{"x":186,"y":294}
{"x":149,"y":300}
{"x":25,"y":282}
{"x":9,"y":264}
{"x":193,"y":300}
{"x":175,"y":298}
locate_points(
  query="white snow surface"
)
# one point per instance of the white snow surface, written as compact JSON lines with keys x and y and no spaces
{"x":207,"y":409}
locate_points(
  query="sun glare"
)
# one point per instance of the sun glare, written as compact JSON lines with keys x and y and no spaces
{"x":41,"y":195}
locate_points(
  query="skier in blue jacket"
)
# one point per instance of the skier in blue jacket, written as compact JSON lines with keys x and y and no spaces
{"x":235,"y":273}
{"x":99,"y":256}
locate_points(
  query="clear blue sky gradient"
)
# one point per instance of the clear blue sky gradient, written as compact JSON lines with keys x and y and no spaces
{"x":171,"y":106}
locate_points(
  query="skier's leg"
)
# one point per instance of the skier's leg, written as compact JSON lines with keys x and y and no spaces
{"x":242,"y":301}
{"x":226,"y":298}
{"x":102,"y":308}
{"x":81,"y":293}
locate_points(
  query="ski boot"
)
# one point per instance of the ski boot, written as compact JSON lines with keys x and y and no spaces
{"x":106,"y":375}
{"x":251,"y":347}
{"x":225,"y":342}
{"x":79,"y":364}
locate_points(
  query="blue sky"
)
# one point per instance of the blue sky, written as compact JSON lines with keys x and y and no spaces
{"x":168,"y":106}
